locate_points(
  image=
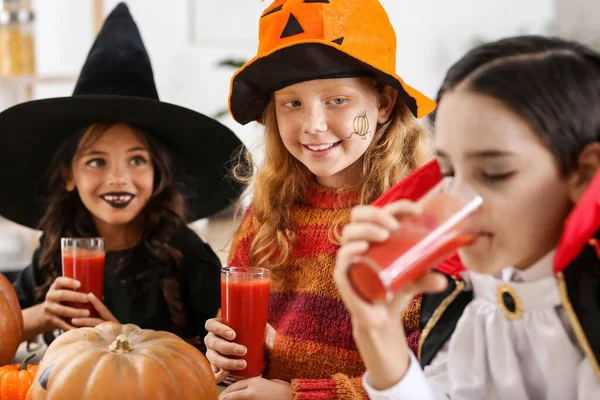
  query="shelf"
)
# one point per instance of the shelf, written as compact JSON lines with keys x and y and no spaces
{"x":25,"y":83}
{"x":28,"y":80}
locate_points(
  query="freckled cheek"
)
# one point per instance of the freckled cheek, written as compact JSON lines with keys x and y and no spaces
{"x":345,"y":121}
{"x":289,"y":134}
{"x":290,"y":141}
{"x":343,"y":128}
{"x":289,"y":127}
{"x":340,"y":126}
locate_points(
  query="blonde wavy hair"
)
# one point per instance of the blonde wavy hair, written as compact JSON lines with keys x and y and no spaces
{"x":399,"y":146}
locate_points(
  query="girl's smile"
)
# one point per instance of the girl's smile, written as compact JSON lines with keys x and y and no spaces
{"x":321,"y":150}
{"x":118,"y":199}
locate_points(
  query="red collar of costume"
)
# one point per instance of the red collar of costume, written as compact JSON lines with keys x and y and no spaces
{"x":581,"y":225}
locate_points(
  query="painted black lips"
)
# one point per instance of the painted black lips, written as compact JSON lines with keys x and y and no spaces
{"x":118,"y":199}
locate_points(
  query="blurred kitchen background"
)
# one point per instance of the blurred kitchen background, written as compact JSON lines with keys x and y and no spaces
{"x":194,"y":46}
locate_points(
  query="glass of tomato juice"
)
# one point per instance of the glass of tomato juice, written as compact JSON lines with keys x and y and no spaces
{"x":83,"y":260}
{"x":244,"y":308}
{"x":421,"y":242}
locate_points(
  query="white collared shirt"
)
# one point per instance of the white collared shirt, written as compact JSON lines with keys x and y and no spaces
{"x":490,"y":356}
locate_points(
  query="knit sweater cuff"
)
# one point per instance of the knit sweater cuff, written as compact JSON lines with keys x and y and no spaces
{"x":314,"y":389}
{"x":340,"y":386}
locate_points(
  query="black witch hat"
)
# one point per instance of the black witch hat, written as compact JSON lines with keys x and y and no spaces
{"x":116,"y":84}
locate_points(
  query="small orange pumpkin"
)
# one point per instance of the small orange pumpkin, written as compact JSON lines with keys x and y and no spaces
{"x":16,"y":380}
{"x":11,"y":322}
{"x":123,"y":362}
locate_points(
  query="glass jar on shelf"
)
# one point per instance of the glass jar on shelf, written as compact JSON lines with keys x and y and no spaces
{"x":17,"y":51}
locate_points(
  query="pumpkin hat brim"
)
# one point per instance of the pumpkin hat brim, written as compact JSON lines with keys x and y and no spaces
{"x":302,"y":40}
{"x":116,"y":84}
{"x":254,"y":83}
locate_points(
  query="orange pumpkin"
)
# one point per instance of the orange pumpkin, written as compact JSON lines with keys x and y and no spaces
{"x":114,"y":361}
{"x":11,"y":322}
{"x":16,"y":380}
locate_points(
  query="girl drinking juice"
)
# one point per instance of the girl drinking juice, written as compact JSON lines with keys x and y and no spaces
{"x":518,"y":122}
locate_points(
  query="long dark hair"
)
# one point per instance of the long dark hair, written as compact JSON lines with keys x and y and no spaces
{"x":552,"y":83}
{"x":161,"y":218}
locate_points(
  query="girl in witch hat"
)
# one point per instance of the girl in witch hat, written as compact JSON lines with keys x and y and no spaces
{"x":518,"y":121}
{"x":340,"y":129}
{"x":109,"y":161}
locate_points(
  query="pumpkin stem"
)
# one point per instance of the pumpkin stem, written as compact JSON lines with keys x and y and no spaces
{"x":23,"y":365}
{"x":121,"y":345}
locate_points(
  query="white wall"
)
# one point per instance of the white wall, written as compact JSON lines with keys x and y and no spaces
{"x":579,"y":20}
{"x":433,"y":34}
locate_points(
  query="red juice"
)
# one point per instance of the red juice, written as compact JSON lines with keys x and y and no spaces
{"x":421,"y":243}
{"x":86,"y":266}
{"x":365,"y":277}
{"x":244,"y":308}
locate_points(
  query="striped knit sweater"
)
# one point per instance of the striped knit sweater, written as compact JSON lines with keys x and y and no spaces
{"x":314,"y":348}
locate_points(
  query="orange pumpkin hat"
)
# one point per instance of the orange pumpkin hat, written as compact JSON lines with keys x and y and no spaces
{"x":301,"y":40}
